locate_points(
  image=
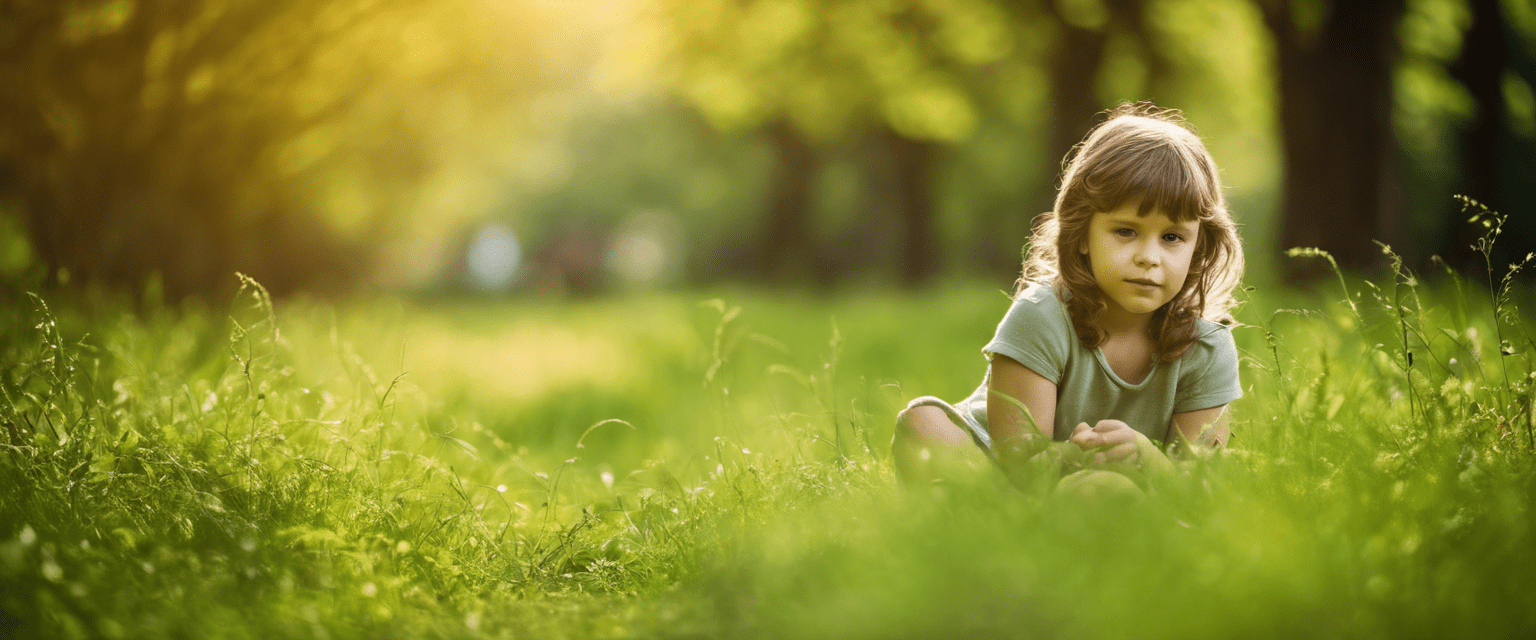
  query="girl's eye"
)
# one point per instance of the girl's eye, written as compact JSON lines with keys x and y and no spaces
{"x":1172,"y":238}
{"x":1125,"y":233}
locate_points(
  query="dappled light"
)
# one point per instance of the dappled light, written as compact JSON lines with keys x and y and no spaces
{"x":362,"y":143}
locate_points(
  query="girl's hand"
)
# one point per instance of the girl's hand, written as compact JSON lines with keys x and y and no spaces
{"x":1119,"y":438}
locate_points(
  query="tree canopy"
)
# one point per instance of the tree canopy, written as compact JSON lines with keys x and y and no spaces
{"x":341,"y":143}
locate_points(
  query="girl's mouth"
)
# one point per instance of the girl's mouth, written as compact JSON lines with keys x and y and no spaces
{"x":1143,"y":282}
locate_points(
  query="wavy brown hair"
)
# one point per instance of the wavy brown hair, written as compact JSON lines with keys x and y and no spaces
{"x":1151,"y":155}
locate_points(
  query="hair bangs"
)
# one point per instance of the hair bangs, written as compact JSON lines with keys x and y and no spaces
{"x":1163,"y":179}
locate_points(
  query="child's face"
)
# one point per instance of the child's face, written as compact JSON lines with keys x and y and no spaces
{"x":1140,"y":262}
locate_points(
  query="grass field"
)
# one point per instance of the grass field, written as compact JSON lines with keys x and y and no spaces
{"x":717,"y":464}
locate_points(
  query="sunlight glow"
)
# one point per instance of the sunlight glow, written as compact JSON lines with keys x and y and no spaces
{"x":646,"y":249}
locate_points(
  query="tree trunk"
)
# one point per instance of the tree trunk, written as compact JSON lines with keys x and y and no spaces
{"x":903,"y":189}
{"x":1339,"y":187}
{"x":1480,"y":69}
{"x":1074,"y":65}
{"x":785,"y":243}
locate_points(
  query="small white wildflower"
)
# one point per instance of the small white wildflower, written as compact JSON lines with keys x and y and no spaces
{"x":370,"y":590}
{"x":501,"y":488}
{"x":472,"y":620}
{"x":28,"y":537}
{"x":402,"y":547}
{"x":51,"y":571}
{"x":607,"y":477}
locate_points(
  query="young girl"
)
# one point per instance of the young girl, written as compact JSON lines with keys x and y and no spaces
{"x":1113,"y":339}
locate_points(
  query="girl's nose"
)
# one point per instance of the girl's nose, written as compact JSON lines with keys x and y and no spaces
{"x":1145,"y":259}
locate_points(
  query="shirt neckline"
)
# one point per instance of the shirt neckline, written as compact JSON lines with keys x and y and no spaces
{"x":1098,"y":354}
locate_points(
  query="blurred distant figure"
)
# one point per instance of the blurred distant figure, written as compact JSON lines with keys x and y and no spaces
{"x":493,"y":257}
{"x":570,"y":263}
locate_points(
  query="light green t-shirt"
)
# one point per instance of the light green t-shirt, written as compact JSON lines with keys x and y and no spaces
{"x":1037,"y":332}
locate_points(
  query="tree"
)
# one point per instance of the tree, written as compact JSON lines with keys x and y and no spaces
{"x":194,"y":139}
{"x":1494,"y":171}
{"x":1340,"y":189}
{"x":819,"y":74}
{"x":1077,"y":60}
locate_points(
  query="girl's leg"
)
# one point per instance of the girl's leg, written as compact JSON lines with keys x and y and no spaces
{"x":927,"y":441}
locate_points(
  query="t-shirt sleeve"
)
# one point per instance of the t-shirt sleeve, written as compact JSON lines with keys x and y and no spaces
{"x":1035,"y":333}
{"x":1209,"y":376}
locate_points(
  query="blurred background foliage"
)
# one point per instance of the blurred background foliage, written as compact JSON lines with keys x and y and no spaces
{"x":582,"y":146}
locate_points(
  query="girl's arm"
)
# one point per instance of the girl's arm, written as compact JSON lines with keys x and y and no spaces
{"x":1021,"y":417}
{"x":1020,"y":402}
{"x":1204,"y":429}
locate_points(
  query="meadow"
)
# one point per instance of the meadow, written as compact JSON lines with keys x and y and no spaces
{"x":717,"y":464}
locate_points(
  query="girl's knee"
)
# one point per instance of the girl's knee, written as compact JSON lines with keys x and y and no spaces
{"x":906,"y":423}
{"x":929,"y":424}
{"x":905,"y":418}
{"x":929,"y":445}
